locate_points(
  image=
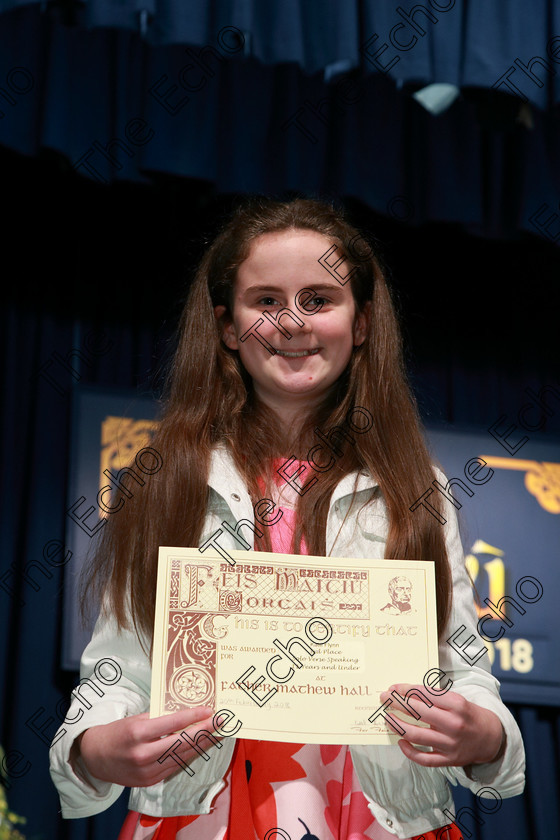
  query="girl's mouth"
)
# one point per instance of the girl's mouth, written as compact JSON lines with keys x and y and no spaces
{"x":296,"y":354}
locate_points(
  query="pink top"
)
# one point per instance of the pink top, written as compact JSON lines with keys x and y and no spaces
{"x":285,"y":499}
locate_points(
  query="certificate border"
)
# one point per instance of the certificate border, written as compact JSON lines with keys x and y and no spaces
{"x":167,"y":553}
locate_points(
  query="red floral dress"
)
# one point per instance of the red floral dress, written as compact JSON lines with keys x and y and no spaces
{"x":278,"y":791}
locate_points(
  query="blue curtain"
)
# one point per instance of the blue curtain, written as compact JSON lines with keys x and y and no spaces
{"x":290,"y":95}
{"x":464,"y":43}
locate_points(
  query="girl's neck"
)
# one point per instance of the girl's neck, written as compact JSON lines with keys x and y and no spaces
{"x":291,"y":418}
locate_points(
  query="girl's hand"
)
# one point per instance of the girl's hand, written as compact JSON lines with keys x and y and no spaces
{"x":126,"y":751}
{"x":460,"y":734}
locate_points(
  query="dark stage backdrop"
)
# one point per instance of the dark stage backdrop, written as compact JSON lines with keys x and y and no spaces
{"x":103,"y":279}
{"x":298,"y":94}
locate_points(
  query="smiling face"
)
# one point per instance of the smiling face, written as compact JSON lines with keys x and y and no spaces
{"x":302,"y":368}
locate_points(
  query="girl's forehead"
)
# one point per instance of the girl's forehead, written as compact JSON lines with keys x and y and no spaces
{"x":288,"y":259}
{"x":293,"y":243}
{"x":284,"y":257}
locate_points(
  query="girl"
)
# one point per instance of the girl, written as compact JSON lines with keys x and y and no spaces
{"x":288,"y":331}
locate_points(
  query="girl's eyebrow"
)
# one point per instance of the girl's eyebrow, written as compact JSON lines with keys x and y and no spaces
{"x":251,"y":289}
{"x":323,"y":287}
{"x":314,"y":287}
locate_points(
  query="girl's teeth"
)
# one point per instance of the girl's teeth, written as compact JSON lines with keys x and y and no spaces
{"x":297,"y":355}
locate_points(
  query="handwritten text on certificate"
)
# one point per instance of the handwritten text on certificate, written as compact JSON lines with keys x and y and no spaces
{"x":297,"y":647}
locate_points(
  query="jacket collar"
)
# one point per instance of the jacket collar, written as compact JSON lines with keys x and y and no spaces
{"x":226,"y":480}
{"x":352,"y":483}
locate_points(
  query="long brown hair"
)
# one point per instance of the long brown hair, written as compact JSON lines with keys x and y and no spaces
{"x":209,"y":399}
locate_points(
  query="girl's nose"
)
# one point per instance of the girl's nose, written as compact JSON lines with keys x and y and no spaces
{"x":307,"y":327}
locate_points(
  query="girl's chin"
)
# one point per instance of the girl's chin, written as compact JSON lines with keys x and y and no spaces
{"x":313,"y":389}
{"x":301,"y":382}
{"x":296,"y":386}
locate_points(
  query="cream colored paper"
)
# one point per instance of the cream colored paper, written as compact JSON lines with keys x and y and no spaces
{"x":214,"y":622}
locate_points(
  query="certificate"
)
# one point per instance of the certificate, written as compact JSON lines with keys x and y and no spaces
{"x":297,"y":647}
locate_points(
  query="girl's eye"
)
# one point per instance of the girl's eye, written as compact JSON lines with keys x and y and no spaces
{"x":268,"y":300}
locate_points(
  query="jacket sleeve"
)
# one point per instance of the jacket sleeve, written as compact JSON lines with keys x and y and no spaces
{"x":114,"y":683}
{"x":407,"y":798}
{"x":472,"y":678}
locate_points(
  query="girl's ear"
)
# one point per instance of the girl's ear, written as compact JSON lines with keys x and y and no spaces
{"x":361,"y":324}
{"x":226,"y":328}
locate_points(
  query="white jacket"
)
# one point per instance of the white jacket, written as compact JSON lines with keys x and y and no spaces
{"x":406,"y":798}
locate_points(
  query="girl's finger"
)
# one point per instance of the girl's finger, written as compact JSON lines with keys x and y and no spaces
{"x":426,"y":737}
{"x":177,"y":721}
{"x":449,"y":700}
{"x":186,"y":746}
{"x":180,"y":743}
{"x":426,"y":759}
{"x":448,"y":723}
{"x":173,"y":753}
{"x":442,"y":713}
